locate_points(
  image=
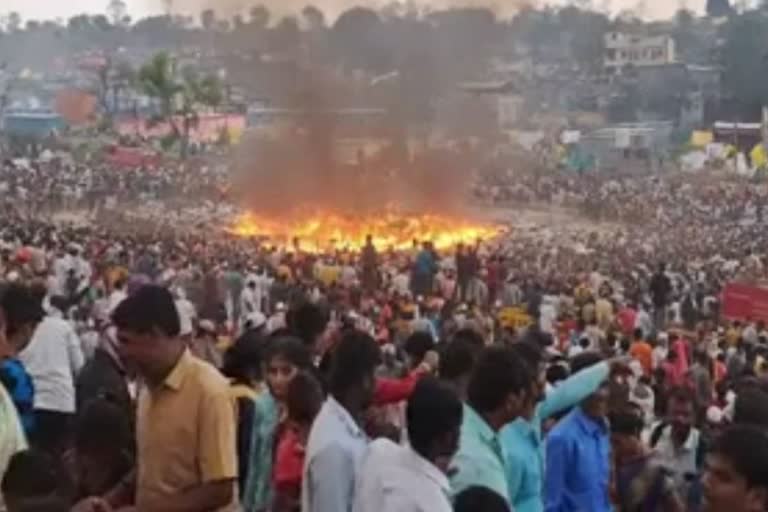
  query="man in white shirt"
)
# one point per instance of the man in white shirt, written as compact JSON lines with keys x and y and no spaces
{"x":413,"y":478}
{"x":337,"y":443}
{"x":53,"y":359}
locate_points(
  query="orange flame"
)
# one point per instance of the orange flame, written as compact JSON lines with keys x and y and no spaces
{"x":324,"y":231}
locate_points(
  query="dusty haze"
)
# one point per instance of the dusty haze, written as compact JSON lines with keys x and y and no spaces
{"x":332,"y":8}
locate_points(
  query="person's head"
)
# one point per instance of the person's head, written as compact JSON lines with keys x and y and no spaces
{"x":751,"y":407}
{"x":556,"y":373}
{"x":307,"y":321}
{"x":477,"y":498}
{"x":736,"y":478}
{"x":416,"y":347}
{"x":626,"y":427}
{"x":103,"y":435}
{"x":433,"y":416}
{"x":243,"y":360}
{"x":21,"y":312}
{"x":33,"y":483}
{"x":457,"y":358}
{"x":596,"y":404}
{"x":681,"y":412}
{"x":533,"y":358}
{"x":499,"y":386}
{"x":353,"y":365}
{"x":148,"y":329}
{"x":303,"y":400}
{"x":285,"y":357}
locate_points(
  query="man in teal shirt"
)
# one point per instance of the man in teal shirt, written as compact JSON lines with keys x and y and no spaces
{"x":521,"y":440}
{"x":499,"y":388}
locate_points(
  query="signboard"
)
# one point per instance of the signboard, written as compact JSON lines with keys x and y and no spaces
{"x":741,"y":301}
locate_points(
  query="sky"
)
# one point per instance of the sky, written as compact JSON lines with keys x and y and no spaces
{"x":52,"y":9}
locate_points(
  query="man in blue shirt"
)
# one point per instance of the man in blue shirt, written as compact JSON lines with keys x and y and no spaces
{"x":20,"y":313}
{"x":499,"y":388}
{"x":579,"y":452}
{"x":522,"y":439}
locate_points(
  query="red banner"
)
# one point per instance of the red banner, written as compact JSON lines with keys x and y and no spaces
{"x":742,"y":301}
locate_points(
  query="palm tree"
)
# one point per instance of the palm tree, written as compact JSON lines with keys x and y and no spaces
{"x":180,"y":95}
{"x":157,"y":79}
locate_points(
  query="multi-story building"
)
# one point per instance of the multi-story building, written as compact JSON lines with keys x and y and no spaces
{"x":625,"y":50}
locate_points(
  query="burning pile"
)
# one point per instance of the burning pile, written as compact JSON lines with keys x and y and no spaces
{"x":321,"y":231}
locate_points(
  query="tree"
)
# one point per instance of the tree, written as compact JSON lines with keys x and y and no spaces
{"x":117,"y":10}
{"x":314,"y":18}
{"x":179,"y":94}
{"x":354,"y":39}
{"x":157,"y":79}
{"x":238,"y":23}
{"x":719,"y":8}
{"x":286,"y":35}
{"x":14,"y":22}
{"x":208,"y":19}
{"x":259,"y":17}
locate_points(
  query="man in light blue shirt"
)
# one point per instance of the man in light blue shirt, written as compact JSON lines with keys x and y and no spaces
{"x":498,"y":389}
{"x":579,"y":452}
{"x":521,"y":439}
{"x":337,"y":442}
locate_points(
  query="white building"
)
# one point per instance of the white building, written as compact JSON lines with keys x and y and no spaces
{"x":622,"y":50}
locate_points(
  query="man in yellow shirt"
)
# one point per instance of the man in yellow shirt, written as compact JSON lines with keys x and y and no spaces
{"x":186,"y":418}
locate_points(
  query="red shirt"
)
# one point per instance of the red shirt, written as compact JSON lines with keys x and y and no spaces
{"x":391,"y":391}
{"x":627,"y":317}
{"x":289,"y":464}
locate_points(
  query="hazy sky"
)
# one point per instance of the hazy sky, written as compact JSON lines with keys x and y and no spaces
{"x":51,"y":9}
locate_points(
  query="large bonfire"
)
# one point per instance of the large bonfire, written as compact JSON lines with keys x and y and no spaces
{"x":321,"y":231}
{"x":298,"y":190}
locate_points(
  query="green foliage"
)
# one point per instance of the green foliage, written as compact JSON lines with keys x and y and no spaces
{"x":180,"y":93}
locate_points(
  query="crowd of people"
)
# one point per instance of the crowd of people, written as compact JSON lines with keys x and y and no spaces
{"x":564,"y":367}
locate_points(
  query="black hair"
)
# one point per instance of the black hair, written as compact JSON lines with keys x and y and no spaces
{"x":303,"y":398}
{"x":557,"y":373}
{"x":355,"y":357}
{"x":745,"y":447}
{"x":457,"y":358}
{"x":751,"y":407}
{"x":433,"y":410}
{"x":626,"y":421}
{"x":681,"y":394}
{"x":480,"y":499}
{"x":470,"y":336}
{"x":637,"y":334}
{"x":150,"y":307}
{"x":307,"y":321}
{"x":242,"y":361}
{"x":33,"y":481}
{"x":291,"y":349}
{"x":418,"y":344}
{"x":103,"y":426}
{"x":20,"y":308}
{"x":529,"y":352}
{"x":498,"y":372}
{"x":585,"y":360}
